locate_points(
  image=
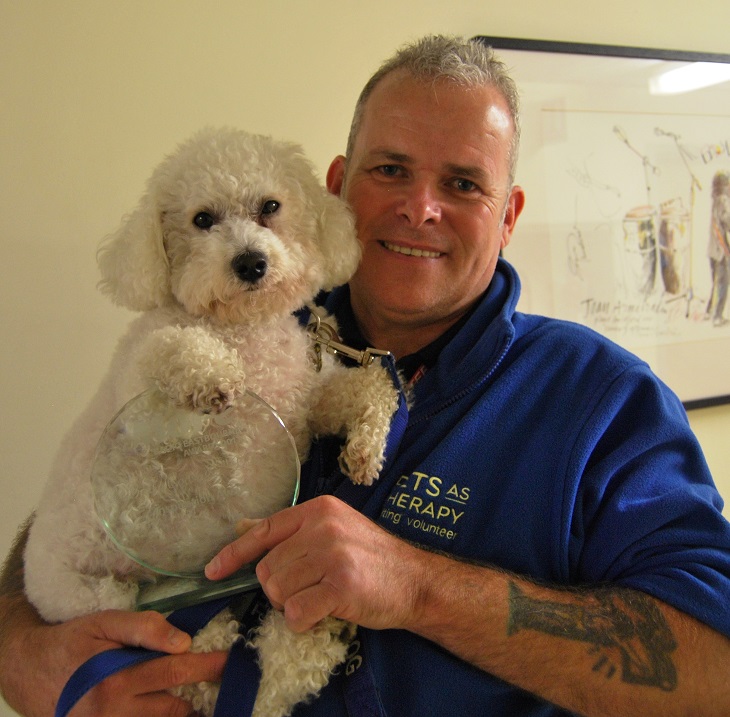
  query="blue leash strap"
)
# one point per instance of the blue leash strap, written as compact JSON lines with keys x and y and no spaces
{"x":239,"y":686}
{"x":193,"y":618}
{"x":98,"y":668}
{"x":107,"y":663}
{"x":361,"y":695}
{"x":399,"y":421}
{"x":242,"y":674}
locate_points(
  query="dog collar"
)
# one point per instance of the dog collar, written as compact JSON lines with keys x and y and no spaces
{"x":324,"y":336}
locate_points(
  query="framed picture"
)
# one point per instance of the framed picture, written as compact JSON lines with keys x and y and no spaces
{"x":625,"y":162}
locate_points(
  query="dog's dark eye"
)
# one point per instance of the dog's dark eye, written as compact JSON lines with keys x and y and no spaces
{"x":271,"y":206}
{"x":203,"y":220}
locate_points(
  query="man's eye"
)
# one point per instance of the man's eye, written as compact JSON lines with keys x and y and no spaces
{"x":465,"y":185}
{"x":270,"y":206}
{"x":389,"y":170}
{"x":203,"y":220}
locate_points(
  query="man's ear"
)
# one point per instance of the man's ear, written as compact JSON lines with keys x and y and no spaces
{"x":515,"y":205}
{"x":336,"y":176}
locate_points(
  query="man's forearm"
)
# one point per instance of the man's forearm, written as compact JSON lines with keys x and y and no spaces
{"x":598,"y":652}
{"x":16,"y":613}
{"x":11,"y":577}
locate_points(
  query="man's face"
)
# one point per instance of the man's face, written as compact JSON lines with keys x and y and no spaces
{"x":428,"y":181}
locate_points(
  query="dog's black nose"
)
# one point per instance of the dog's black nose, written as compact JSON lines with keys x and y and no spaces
{"x":250,"y":266}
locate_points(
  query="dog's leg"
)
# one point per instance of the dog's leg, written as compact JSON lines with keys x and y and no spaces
{"x":68,"y":571}
{"x":197,"y":370}
{"x":357,"y":403}
{"x":296,"y":666}
{"x":83,"y":594}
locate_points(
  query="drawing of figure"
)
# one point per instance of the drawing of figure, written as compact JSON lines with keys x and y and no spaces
{"x":673,"y":244}
{"x":718,"y":248}
{"x":640,"y":248}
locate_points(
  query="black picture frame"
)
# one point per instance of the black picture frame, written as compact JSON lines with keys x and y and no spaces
{"x":613,"y":168}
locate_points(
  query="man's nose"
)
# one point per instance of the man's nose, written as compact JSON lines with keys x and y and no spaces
{"x":420,"y":204}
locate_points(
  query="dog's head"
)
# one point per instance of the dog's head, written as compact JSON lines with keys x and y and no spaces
{"x":235,"y":226}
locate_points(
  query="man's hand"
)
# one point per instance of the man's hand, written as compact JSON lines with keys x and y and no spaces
{"x":324,"y":558}
{"x":38,"y":659}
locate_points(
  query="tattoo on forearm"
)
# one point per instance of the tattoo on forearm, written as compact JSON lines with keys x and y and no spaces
{"x":623,"y":628}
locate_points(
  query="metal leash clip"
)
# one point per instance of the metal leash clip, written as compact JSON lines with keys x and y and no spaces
{"x":324,"y":335}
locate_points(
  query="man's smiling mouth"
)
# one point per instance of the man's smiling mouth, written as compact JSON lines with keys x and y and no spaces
{"x":412,"y":252}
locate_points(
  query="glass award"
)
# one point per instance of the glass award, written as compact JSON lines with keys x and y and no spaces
{"x":170,"y":484}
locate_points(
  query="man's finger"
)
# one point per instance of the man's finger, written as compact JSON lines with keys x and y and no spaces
{"x":245,"y":524}
{"x":258,"y":539}
{"x":144,"y":629}
{"x":308,"y":607}
{"x":166,"y":672}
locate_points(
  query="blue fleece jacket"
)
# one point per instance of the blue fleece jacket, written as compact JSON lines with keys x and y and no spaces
{"x":540,"y":447}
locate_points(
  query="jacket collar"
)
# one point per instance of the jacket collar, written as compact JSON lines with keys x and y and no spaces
{"x":468,"y":356}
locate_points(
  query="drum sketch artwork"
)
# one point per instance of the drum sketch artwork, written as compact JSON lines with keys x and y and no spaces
{"x":660,"y":236}
{"x":639,"y":249}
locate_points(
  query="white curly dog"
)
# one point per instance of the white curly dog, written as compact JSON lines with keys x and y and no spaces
{"x":233,"y":235}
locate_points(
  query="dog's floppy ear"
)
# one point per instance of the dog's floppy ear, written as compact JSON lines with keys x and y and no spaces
{"x":134,"y":268}
{"x":338,"y":240}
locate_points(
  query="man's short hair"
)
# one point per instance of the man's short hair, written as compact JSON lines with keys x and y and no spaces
{"x":468,"y":63}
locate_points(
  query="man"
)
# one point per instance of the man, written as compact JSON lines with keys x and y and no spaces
{"x":573,"y":553}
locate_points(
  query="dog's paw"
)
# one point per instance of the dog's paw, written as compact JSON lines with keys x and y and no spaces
{"x":363,"y":455}
{"x":359,"y":463}
{"x":214,"y":400}
{"x":195,"y":369}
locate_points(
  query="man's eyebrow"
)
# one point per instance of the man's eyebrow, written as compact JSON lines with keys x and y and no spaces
{"x":466,"y":171}
{"x":389,"y":155}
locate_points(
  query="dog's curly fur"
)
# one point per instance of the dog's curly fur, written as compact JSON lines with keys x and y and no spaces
{"x":233,"y":235}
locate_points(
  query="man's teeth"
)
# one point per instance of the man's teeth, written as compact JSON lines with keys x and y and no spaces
{"x":411,"y":252}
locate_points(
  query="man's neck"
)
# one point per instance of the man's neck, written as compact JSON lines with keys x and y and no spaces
{"x":401,"y":337}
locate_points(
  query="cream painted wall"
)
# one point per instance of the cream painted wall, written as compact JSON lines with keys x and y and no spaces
{"x":94,"y":92}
